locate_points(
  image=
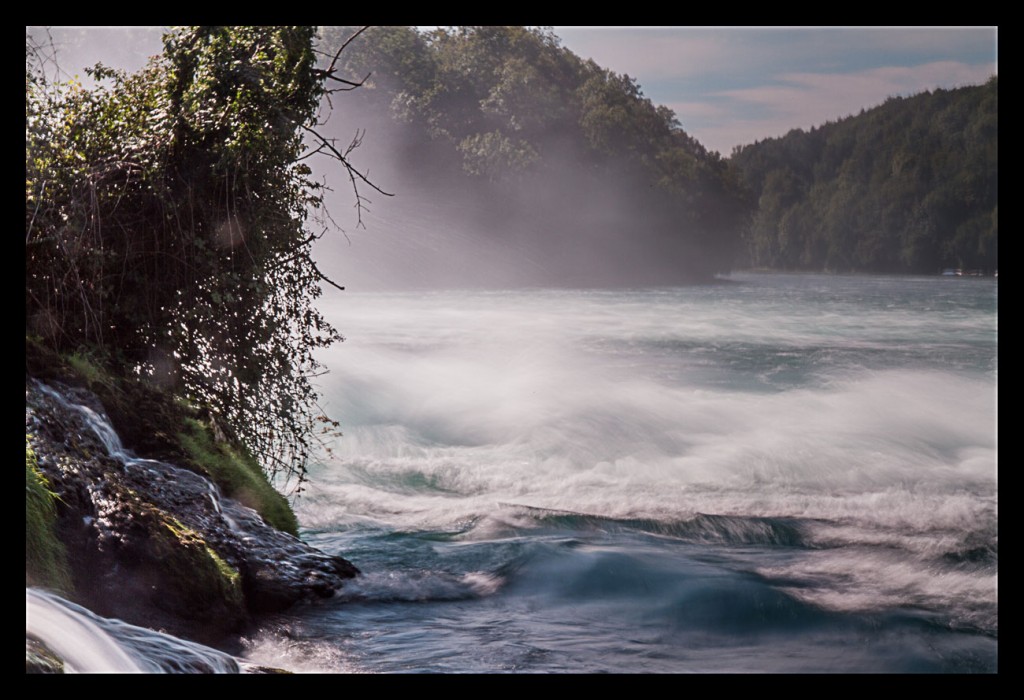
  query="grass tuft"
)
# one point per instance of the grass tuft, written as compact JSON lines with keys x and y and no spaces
{"x":46,"y":562}
{"x":238,"y":475}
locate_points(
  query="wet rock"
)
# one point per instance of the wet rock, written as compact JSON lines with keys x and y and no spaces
{"x":155,"y":544}
{"x":39,"y":658}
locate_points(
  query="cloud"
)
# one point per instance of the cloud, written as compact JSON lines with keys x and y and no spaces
{"x":653,"y":54}
{"x":810,"y":99}
{"x":735,"y":54}
{"x":732,"y":86}
{"x":689,"y":111}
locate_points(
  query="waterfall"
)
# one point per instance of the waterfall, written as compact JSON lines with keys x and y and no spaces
{"x":89,"y":643}
{"x":73,"y":438}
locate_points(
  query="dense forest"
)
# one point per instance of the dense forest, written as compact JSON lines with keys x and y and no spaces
{"x":566,"y":157}
{"x":909,"y":186}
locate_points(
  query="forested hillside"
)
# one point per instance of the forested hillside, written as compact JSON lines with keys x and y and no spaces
{"x":566,"y":156}
{"x":910,"y":186}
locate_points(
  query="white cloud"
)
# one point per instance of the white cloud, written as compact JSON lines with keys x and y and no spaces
{"x":810,"y":99}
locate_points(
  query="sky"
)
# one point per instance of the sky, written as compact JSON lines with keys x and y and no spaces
{"x":732,"y":86}
{"x":728,"y":86}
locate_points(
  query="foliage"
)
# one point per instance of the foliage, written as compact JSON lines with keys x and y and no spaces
{"x":910,"y":186}
{"x":89,"y":370}
{"x":167,"y":227}
{"x":45,"y":558}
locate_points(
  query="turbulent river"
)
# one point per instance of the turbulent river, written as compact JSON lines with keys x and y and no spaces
{"x":779,"y":473}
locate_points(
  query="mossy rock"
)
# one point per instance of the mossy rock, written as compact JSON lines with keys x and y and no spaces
{"x":237,"y":474}
{"x":171,"y":567}
{"x":153,"y":422}
{"x":197,"y":575}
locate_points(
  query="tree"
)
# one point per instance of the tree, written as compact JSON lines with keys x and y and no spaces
{"x":910,"y":186}
{"x":168,"y":226}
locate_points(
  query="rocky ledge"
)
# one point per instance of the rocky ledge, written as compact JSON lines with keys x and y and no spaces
{"x":157,"y":545}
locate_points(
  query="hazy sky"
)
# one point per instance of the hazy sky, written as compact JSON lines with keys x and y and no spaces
{"x":730,"y":85}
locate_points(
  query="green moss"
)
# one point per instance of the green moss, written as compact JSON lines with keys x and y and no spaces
{"x":84,"y":367}
{"x":89,"y":370}
{"x":201,"y":578}
{"x":238,"y":475}
{"x":45,"y":557}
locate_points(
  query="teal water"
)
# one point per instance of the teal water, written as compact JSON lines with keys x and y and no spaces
{"x":779,"y":473}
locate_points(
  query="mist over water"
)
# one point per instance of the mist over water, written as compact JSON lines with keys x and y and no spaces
{"x":559,"y":225}
{"x":809,"y":460}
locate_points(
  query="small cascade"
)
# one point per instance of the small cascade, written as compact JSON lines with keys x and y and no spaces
{"x":89,"y":643}
{"x":157,"y":544}
{"x":99,"y":425}
{"x":215,"y":500}
{"x":162,"y":481}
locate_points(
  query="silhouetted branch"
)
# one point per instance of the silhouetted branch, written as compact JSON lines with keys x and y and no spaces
{"x":353,"y":85}
{"x":353,"y":174}
{"x":327,"y":279}
{"x":337,"y":54}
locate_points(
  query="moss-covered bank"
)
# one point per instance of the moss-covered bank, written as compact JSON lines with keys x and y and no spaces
{"x":237,"y":474}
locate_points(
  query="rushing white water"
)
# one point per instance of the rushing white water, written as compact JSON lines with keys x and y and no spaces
{"x":783,"y":474}
{"x":89,"y":643}
{"x":839,"y":432}
{"x":554,"y":395}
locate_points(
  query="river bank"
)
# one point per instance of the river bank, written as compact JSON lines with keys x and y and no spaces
{"x":182,"y":537}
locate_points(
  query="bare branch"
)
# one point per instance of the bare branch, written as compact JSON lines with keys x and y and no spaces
{"x":337,"y":54}
{"x":318,"y":149}
{"x":326,"y":279}
{"x":353,"y":85}
{"x":353,"y":173}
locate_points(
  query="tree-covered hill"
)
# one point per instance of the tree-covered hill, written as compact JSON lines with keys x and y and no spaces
{"x":909,"y":186}
{"x":567,"y":157}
